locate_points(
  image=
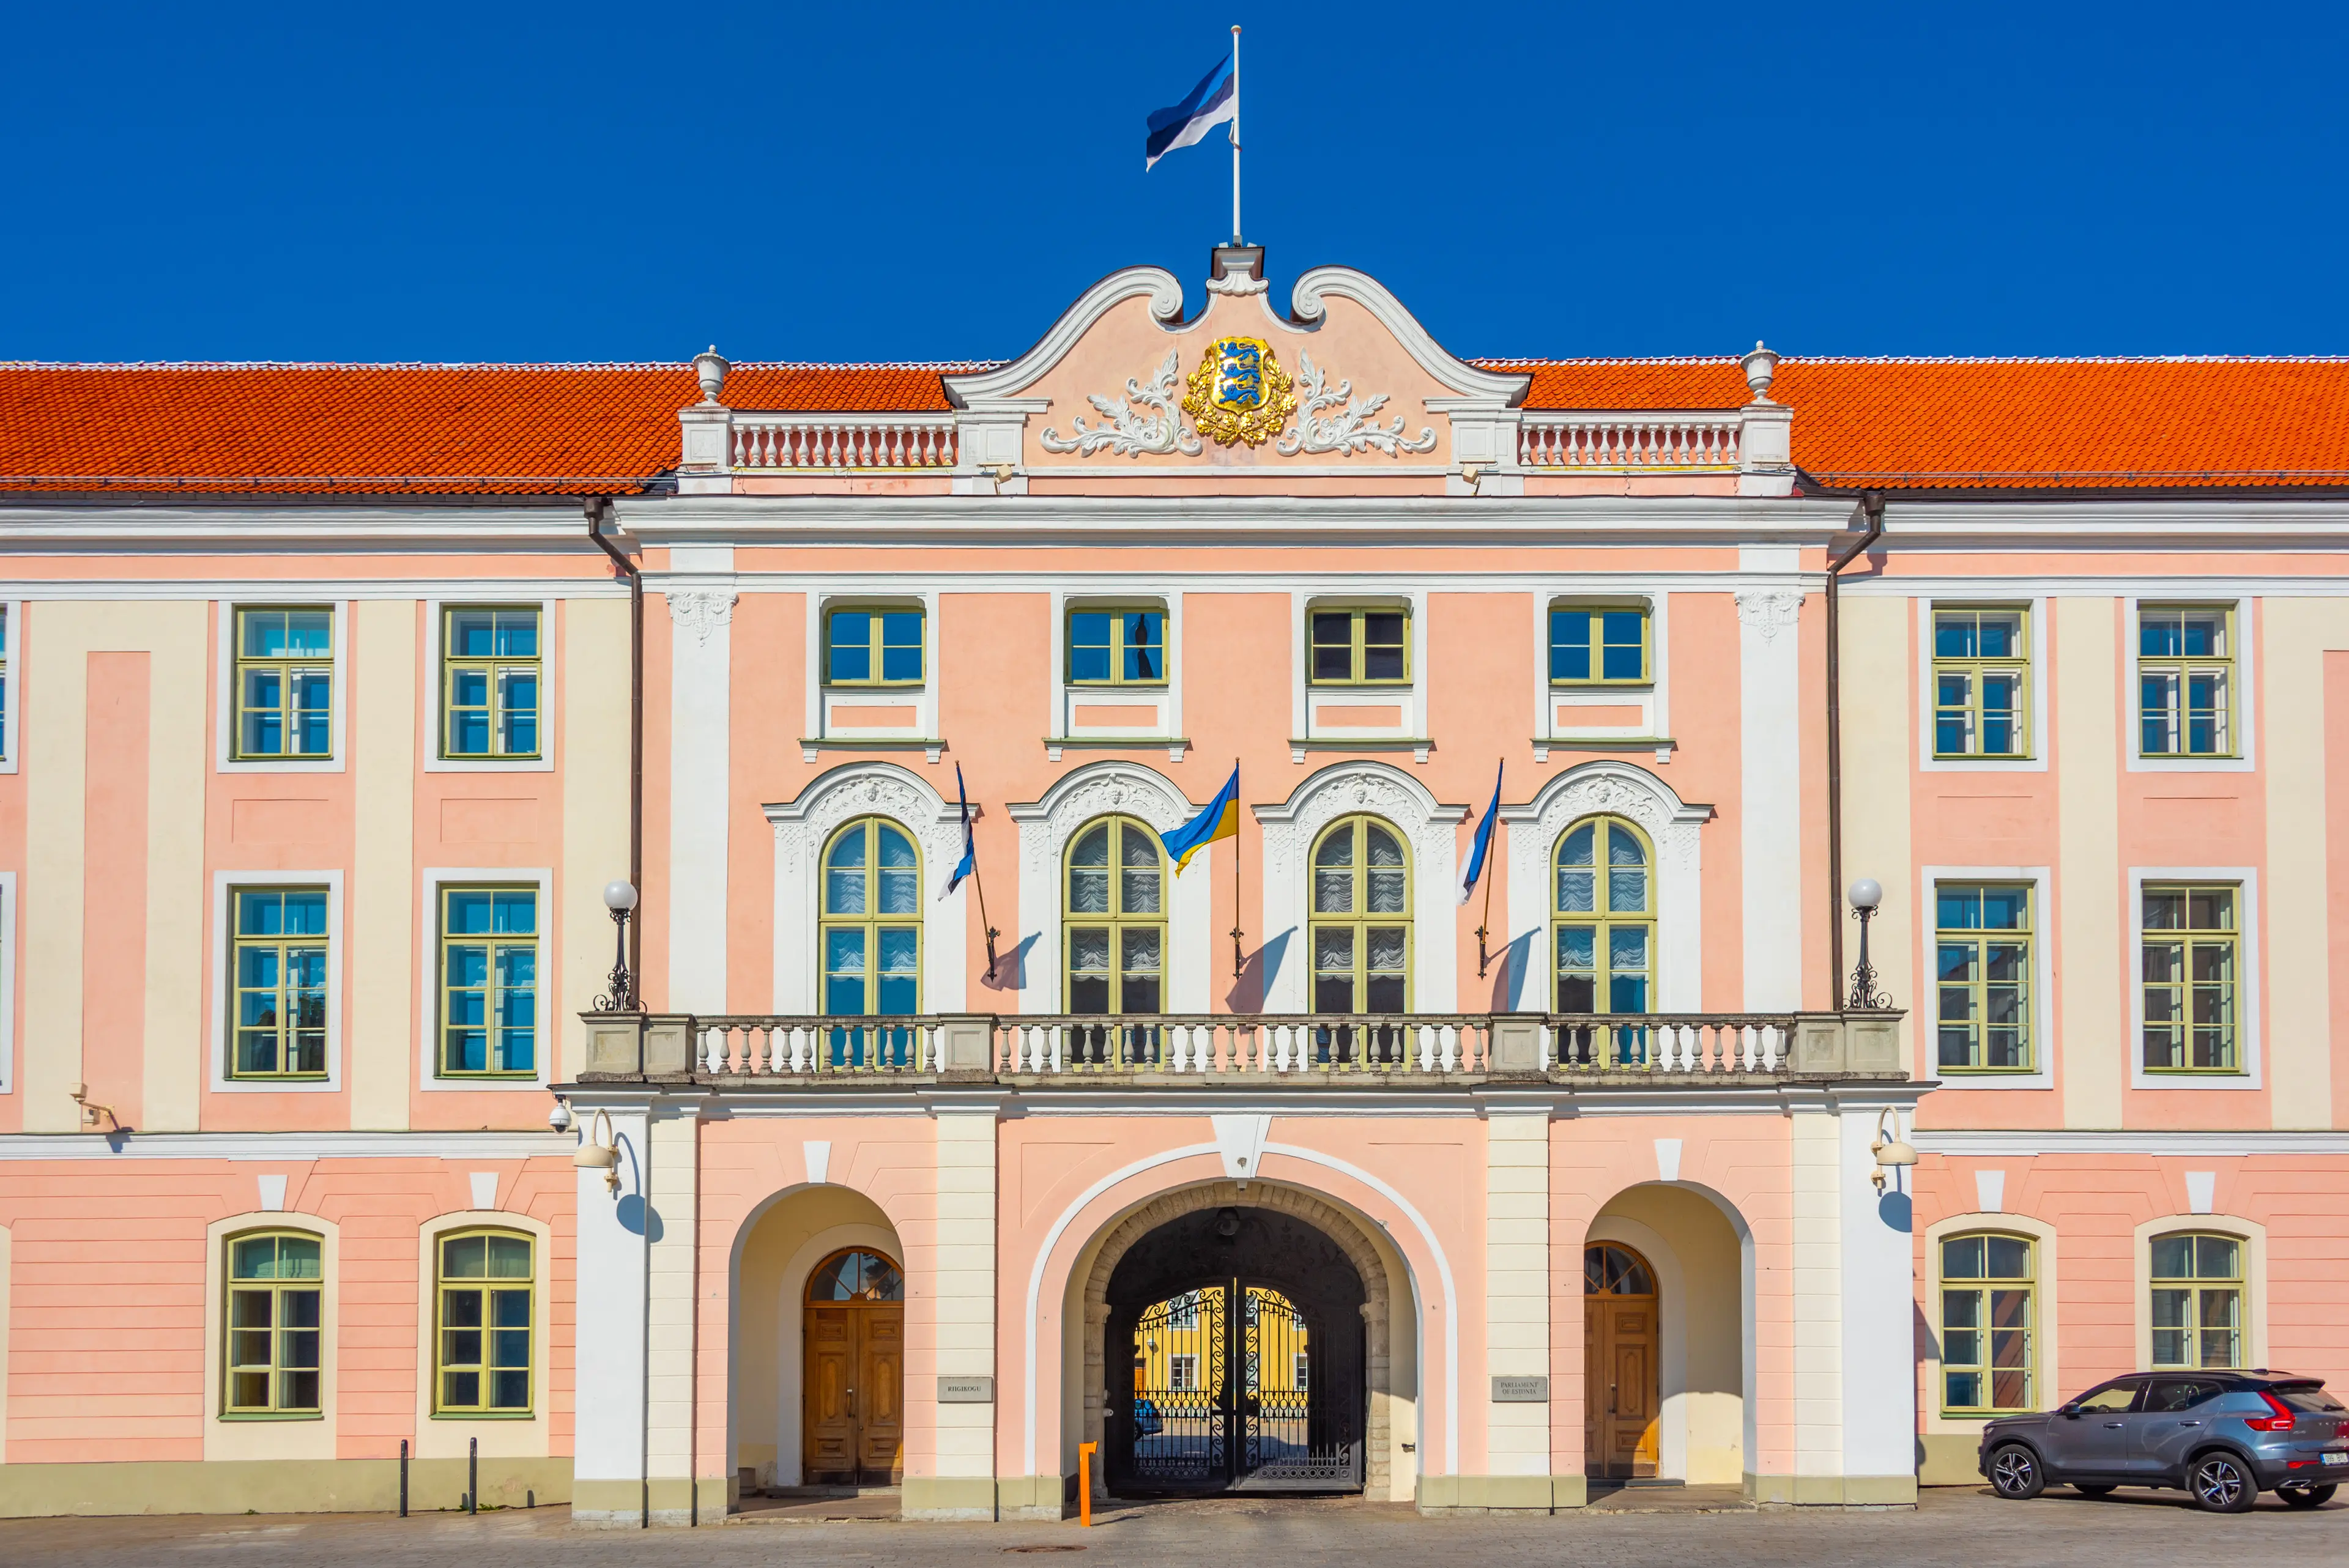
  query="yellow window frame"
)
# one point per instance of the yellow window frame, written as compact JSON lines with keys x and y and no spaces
{"x":2196,"y":1287}
{"x":1978,"y":984}
{"x":1117,"y":920}
{"x":2178,"y":720}
{"x":279,"y":1360}
{"x":1357,"y":919}
{"x":1598,"y":613}
{"x":497,"y":672}
{"x":493,"y":989}
{"x":492,"y":1354}
{"x":1976,"y":669}
{"x":1118,"y":645}
{"x":291,"y":670}
{"x":283,"y":946}
{"x":876,"y":646}
{"x":2193,"y":942}
{"x":1984,"y":1363}
{"x":872,"y":923}
{"x":1602,"y":920}
{"x":1357,"y":617}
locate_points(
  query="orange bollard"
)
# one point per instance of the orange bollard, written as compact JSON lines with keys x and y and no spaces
{"x":1085,"y":1485}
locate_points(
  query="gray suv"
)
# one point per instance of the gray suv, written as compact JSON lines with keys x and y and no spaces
{"x":2223,"y":1437}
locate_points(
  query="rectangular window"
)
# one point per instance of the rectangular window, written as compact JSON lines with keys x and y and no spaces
{"x":2186,"y":681}
{"x":873,"y":648}
{"x":1360,"y":647}
{"x":2198,"y":1301}
{"x":1117,"y":648}
{"x":1598,"y":645}
{"x":1183,"y":1372}
{"x":488,"y":982}
{"x":1981,"y":683}
{"x":284,"y":684}
{"x":278,"y":983}
{"x":483,"y":1347}
{"x":1981,"y":959}
{"x":1988,"y":1324}
{"x":273,"y":1327}
{"x":489,"y":660}
{"x":2187,"y":968}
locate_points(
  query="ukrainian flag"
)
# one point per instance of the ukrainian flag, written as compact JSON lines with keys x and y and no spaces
{"x":1221,"y":819}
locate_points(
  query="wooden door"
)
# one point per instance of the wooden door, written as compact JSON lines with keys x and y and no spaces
{"x":1620,"y":1398}
{"x":855,"y":1396}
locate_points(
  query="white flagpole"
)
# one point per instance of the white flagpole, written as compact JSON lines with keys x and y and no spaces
{"x":1235,"y":134}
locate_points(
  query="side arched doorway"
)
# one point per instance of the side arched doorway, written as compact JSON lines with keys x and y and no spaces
{"x":1235,"y":1358}
{"x":853,"y":1397}
{"x":1620,"y":1396}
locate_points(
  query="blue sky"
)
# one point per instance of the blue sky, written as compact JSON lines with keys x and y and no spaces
{"x":854,"y":182}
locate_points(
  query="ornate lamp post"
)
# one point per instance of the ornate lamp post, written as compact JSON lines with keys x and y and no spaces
{"x":620,"y":897}
{"x":1864,"y":895}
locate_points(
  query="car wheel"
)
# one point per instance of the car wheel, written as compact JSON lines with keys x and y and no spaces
{"x":2014,"y":1473}
{"x":2307,"y":1496}
{"x":2093,"y":1488}
{"x":2221,"y":1483}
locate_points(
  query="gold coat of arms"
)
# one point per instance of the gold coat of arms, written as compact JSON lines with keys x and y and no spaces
{"x":1239,"y":392}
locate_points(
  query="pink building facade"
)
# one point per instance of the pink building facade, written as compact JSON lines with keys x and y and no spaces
{"x":336,"y":697}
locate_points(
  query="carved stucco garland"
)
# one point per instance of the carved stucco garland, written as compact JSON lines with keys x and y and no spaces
{"x":1130,"y":431}
{"x":1147,"y":420}
{"x":701,"y":611}
{"x":1769,"y":611}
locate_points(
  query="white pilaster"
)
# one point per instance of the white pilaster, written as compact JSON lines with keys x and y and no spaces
{"x":1817,"y":1304}
{"x":1770,"y":782}
{"x":1516,"y":1284}
{"x":1879,"y":1335}
{"x":671,"y":1302}
{"x":700,"y":688}
{"x":964,"y":1290}
{"x":608,"y":1443}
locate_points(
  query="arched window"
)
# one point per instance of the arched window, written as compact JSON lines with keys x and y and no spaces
{"x":1989,"y":1324}
{"x":1604,"y":907}
{"x":2198,"y":1300}
{"x":1361,"y":919}
{"x":1116,"y":923}
{"x":1610,"y":1269}
{"x":855,"y":1277}
{"x":483,"y":1352}
{"x":871,"y":926}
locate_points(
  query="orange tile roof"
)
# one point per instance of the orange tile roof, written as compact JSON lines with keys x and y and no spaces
{"x":1920,"y":424}
{"x":1905,"y":423}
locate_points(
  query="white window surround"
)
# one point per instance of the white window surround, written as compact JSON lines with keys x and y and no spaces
{"x":435,"y":878}
{"x":1655,"y":694}
{"x":222,"y":989}
{"x":1344,"y":789}
{"x":2244,"y":683}
{"x":281,"y":1438}
{"x":8,"y":981}
{"x":11,"y":722}
{"x":2046,"y":1341}
{"x":2042,"y":976}
{"x":1412,"y":697}
{"x":802,"y":828}
{"x":224,"y":758}
{"x":1066,"y":693}
{"x":2254,"y":1237}
{"x":822,"y":697}
{"x":1115,"y":787}
{"x":1674,"y":828}
{"x":435,"y":693}
{"x":2249,"y":980}
{"x":2036,"y":608}
{"x":502,"y":1437}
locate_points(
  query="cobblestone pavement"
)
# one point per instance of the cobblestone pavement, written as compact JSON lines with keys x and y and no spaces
{"x":1960,"y":1529}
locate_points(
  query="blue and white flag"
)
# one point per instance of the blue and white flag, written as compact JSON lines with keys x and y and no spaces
{"x":1475,"y":870}
{"x":1215,"y":102}
{"x":970,"y":861}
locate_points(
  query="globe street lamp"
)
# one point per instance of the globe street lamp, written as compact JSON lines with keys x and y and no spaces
{"x":1864,"y":895}
{"x":620,"y":897}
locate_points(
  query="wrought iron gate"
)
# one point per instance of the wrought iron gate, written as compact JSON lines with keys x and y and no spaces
{"x":1225,"y":1400}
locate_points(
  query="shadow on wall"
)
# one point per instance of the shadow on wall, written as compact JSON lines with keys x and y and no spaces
{"x":1011,"y":968}
{"x":1256,"y":974}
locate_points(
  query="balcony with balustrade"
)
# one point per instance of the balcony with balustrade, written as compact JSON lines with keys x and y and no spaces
{"x":1179,"y":1051}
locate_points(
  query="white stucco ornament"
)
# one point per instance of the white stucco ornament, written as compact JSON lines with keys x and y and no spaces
{"x":701,"y":611}
{"x":1148,"y":419}
{"x":1352,"y":429}
{"x":1130,"y":429}
{"x":1769,"y":611}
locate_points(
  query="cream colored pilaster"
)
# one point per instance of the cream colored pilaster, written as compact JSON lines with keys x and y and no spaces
{"x":385,"y":1054}
{"x":179,"y":751}
{"x":2293,"y":637}
{"x":594,"y":751}
{"x":56,"y":704}
{"x":1817,"y":1268}
{"x":962,"y":1484}
{"x":671,"y":1276}
{"x":2090,"y":923}
{"x":1517,"y":1288}
{"x":1878,"y":768}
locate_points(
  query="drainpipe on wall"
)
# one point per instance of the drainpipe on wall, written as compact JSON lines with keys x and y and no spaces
{"x":599,"y":511}
{"x":1871,"y":506}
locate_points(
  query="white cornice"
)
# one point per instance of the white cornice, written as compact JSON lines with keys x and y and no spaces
{"x":981,"y":387}
{"x":227,"y":527}
{"x":1981,"y":1143}
{"x":2101,"y":524}
{"x":1483,"y":388}
{"x":468,"y":589}
{"x":286,"y":1146}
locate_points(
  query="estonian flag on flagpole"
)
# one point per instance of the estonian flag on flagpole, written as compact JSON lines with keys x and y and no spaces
{"x":1215,"y":102}
{"x":970,"y":861}
{"x":1475,"y":869}
{"x":1221,"y":819}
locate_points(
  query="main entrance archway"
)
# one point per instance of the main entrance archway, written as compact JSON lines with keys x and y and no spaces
{"x":1619,"y":1362}
{"x":854,"y":1399}
{"x":1235,"y":1357}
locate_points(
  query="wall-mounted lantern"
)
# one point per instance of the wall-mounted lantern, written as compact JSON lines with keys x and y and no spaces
{"x":1890,"y":1149}
{"x":600,"y":1151}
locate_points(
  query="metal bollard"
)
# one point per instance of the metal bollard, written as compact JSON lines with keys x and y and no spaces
{"x":403,"y":1477}
{"x":472,"y":1475}
{"x":1085,"y":1484}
